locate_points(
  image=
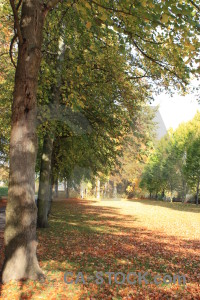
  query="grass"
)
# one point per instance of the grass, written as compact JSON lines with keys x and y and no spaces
{"x":116,"y":236}
{"x":3,"y":191}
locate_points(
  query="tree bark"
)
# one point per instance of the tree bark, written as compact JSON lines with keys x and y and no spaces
{"x":50,"y":194}
{"x":81,"y":192}
{"x":44,"y":200}
{"x":114,"y":190}
{"x":197,"y":195}
{"x":105,"y":189}
{"x":56,"y":188}
{"x":44,"y":185}
{"x":98,"y":188}
{"x":66,"y":188}
{"x":52,"y":179}
{"x":21,"y":212}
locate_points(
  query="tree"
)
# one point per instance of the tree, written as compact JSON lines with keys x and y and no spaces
{"x":101,"y":97}
{"x":45,"y":192}
{"x":136,"y":147}
{"x":173,"y":165}
{"x":21,"y":212}
{"x":148,"y":27}
{"x":6,"y":84}
{"x":192,"y":166}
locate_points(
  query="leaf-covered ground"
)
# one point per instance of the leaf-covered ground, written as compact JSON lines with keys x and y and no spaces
{"x":116,"y":236}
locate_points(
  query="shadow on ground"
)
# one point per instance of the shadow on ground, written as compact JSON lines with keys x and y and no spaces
{"x":86,"y":238}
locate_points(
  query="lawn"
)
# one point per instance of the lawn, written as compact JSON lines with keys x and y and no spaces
{"x":116,"y":236}
{"x":3,"y":191}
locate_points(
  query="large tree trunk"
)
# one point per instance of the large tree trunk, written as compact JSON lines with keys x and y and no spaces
{"x":21,"y":212}
{"x":44,"y":185}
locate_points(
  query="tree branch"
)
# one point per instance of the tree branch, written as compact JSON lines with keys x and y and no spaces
{"x":128,"y":13}
{"x":193,"y":3}
{"x":4,"y":53}
{"x":49,"y":52}
{"x":10,"y":50}
{"x":16,"y":21}
{"x":161,"y":64}
{"x":19,"y":4}
{"x":139,"y":77}
{"x":149,"y":41}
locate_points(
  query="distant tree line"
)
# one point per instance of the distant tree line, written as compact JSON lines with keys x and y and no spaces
{"x":173,"y":169}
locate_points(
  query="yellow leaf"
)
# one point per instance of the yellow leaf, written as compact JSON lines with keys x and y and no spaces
{"x":144,"y":3}
{"x":79,"y":70}
{"x":71,"y":55}
{"x":164,"y":18}
{"x":92,"y":47}
{"x":87,"y":5}
{"x":88,"y":25}
{"x":103,"y":17}
{"x":81,"y":104}
{"x":71,"y":96}
{"x":191,"y":47}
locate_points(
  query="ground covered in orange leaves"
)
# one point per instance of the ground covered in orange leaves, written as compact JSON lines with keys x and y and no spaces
{"x":3,"y":202}
{"x":116,"y":236}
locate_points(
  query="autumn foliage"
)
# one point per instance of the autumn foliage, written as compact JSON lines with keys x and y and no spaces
{"x":125,"y":236}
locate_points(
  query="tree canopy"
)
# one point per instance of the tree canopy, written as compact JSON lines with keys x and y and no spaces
{"x":83,"y":72}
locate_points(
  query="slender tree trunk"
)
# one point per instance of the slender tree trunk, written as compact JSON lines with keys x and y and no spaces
{"x":66,"y":183}
{"x":44,"y":201}
{"x":50,"y":194}
{"x":105,"y":189}
{"x":56,"y":188}
{"x":81,"y":192}
{"x":44,"y":185}
{"x":184,"y":191}
{"x":52,"y":179}
{"x":21,"y":212}
{"x":197,"y":195}
{"x":114,"y":190}
{"x":67,"y":190}
{"x":98,"y":187}
{"x":171,"y":193}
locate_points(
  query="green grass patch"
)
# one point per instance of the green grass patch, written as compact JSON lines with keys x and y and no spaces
{"x":3,"y":191}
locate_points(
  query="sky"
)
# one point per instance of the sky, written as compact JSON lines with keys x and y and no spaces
{"x":174,"y":110}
